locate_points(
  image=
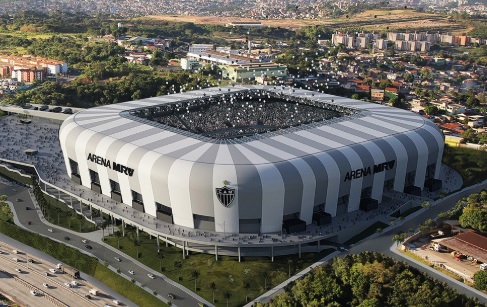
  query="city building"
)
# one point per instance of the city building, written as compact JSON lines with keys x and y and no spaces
{"x":200,"y":47}
{"x":257,"y":178}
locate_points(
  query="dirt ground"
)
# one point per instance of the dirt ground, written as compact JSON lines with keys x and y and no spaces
{"x":369,"y":20}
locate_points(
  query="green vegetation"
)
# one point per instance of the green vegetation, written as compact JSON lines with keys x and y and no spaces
{"x":5,"y":212}
{"x":474,"y":212}
{"x":369,"y":279}
{"x":201,"y":271}
{"x":376,"y":227}
{"x":480,"y":279}
{"x":469,"y":163}
{"x":57,"y":213}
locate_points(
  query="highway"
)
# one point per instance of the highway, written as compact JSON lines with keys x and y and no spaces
{"x":161,"y":284}
{"x":32,"y":276}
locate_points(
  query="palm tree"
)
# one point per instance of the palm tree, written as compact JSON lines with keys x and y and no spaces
{"x":265,"y":276}
{"x":137,"y":244}
{"x":161,"y":256}
{"x":178,"y":265}
{"x":195,"y":274}
{"x":289,"y":262}
{"x":103,"y":226}
{"x":118,"y":234}
{"x":247,"y":288}
{"x":213,"y":288}
{"x":227,"y":295}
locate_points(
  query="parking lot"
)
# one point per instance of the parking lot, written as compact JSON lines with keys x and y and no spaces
{"x":464,"y":268}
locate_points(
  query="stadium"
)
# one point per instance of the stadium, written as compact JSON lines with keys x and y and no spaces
{"x":251,"y":159}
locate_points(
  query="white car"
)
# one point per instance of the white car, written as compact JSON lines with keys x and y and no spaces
{"x":151,"y":276}
{"x":84,"y":241}
{"x":67,"y":284}
{"x":74,"y":283}
{"x":116,"y":302}
{"x":483,"y":266}
{"x":132,"y":272}
{"x":52,"y":270}
{"x":118,"y":259}
{"x":34,"y":293}
{"x":45,"y":285}
{"x":18,"y":270}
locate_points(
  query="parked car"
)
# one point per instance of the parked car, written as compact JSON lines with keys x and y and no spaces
{"x":18,"y":270}
{"x":56,"y":109}
{"x":43,"y":108}
{"x":68,"y":111}
{"x":483,"y":266}
{"x":45,"y":285}
{"x":88,"y":247}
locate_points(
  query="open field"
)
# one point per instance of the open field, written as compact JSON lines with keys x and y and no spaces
{"x":369,"y":20}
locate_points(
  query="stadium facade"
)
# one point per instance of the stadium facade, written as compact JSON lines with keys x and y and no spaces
{"x":250,"y":180}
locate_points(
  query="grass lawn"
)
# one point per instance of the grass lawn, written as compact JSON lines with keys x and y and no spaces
{"x":125,"y":287}
{"x":227,"y":273}
{"x":367,"y":232}
{"x":470,"y":163}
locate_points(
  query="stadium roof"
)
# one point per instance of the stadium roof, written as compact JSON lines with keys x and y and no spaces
{"x":372,"y":123}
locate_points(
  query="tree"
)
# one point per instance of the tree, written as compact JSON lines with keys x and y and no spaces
{"x":289,"y":262}
{"x":227,"y":295}
{"x":195,"y":274}
{"x":213,"y":288}
{"x":265,"y":275}
{"x":247,"y":288}
{"x":399,"y":237}
{"x":178,"y":265}
{"x":103,"y":226}
{"x":470,"y":136}
{"x":474,"y":216}
{"x":426,"y":204}
{"x":161,"y":256}
{"x":480,"y":280}
{"x":430,"y":110}
{"x":118,"y":234}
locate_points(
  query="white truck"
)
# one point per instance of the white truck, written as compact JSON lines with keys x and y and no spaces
{"x":94,"y":292}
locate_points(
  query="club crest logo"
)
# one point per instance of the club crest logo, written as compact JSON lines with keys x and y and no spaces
{"x":225,"y":195}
